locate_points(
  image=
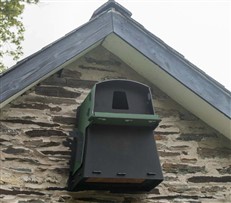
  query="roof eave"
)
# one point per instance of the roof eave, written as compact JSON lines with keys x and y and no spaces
{"x":173,"y":63}
{"x":171,"y":72}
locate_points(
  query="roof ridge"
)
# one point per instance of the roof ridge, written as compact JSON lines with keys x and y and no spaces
{"x":109,"y":5}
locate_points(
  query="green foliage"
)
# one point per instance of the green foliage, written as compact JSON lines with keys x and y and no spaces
{"x":11,"y":28}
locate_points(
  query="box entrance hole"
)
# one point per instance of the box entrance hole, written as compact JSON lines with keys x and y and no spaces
{"x":119,"y":100}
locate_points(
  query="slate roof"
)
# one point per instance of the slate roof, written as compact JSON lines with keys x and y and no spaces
{"x":109,"y":24}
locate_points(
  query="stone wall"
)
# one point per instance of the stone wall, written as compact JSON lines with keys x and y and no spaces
{"x":35,"y":143}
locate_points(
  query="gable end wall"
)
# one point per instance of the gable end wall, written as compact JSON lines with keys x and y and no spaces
{"x":35,"y":142}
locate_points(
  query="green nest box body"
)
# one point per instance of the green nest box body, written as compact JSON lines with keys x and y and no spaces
{"x":115,"y":148}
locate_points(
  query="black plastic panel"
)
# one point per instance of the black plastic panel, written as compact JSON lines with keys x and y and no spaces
{"x":120,"y":153}
{"x":138,"y":97}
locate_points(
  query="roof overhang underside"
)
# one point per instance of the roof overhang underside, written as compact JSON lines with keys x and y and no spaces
{"x":142,"y":51}
{"x":168,"y":84}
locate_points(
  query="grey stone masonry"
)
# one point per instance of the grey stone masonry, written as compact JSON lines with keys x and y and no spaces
{"x":35,"y":142}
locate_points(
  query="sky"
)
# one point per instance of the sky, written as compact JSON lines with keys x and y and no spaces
{"x":198,"y":29}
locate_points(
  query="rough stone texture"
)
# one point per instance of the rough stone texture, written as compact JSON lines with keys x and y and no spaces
{"x":36,"y":133}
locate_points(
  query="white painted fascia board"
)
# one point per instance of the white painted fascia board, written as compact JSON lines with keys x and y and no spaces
{"x":172,"y":87}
